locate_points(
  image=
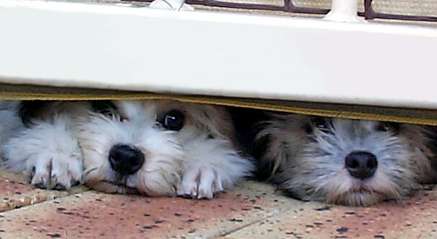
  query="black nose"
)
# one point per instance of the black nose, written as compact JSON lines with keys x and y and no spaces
{"x":361,"y":164}
{"x":125,"y":159}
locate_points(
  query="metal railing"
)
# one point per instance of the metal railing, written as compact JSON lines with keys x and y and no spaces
{"x":291,"y":7}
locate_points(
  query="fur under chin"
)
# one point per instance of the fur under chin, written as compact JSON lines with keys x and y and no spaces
{"x":342,"y":191}
{"x":357,"y":199}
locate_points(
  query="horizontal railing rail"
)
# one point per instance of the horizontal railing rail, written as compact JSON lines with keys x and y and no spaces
{"x":289,"y":6}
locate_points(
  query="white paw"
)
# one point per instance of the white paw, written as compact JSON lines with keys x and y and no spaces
{"x":55,"y":171}
{"x":48,"y":152}
{"x":170,"y":4}
{"x":200,"y":183}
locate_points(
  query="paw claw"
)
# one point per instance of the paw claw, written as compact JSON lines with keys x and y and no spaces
{"x":200,"y":183}
{"x":55,"y":174}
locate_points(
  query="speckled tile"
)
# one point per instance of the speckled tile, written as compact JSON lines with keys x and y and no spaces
{"x":98,"y":215}
{"x":413,"y":218}
{"x":252,"y":210}
{"x":15,"y":192}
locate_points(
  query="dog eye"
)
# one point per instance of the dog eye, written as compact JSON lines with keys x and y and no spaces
{"x":308,"y":128}
{"x":173,"y":120}
{"x":322,"y":124}
{"x":388,"y":127}
{"x":107,"y":112}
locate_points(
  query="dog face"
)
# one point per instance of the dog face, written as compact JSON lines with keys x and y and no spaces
{"x":146,"y":146}
{"x":350,"y":162}
{"x":153,"y":147}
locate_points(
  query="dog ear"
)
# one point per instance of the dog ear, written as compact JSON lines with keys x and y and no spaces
{"x":265,"y":166}
{"x":431,"y":133}
{"x":248,"y":124}
{"x":30,"y":110}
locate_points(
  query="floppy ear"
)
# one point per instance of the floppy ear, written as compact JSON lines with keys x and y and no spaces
{"x":265,"y":166}
{"x":271,"y":148}
{"x":248,"y":123}
{"x":431,"y":144}
{"x":31,"y":110}
{"x":214,"y":119}
{"x":218,"y":121}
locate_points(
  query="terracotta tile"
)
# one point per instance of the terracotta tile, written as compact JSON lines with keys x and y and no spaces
{"x":253,"y":210}
{"x":15,"y":192}
{"x":413,"y":218}
{"x":97,"y":215}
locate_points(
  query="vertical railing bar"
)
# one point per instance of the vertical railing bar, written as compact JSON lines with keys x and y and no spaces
{"x":368,"y":10}
{"x":288,"y":5}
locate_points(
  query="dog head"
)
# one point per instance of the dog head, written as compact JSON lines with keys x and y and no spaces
{"x":350,"y":162}
{"x":141,"y":146}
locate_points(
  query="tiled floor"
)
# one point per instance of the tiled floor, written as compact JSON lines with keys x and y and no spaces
{"x":252,"y":210}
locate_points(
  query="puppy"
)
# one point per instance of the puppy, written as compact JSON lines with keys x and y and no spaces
{"x":349,"y":162}
{"x":157,"y":148}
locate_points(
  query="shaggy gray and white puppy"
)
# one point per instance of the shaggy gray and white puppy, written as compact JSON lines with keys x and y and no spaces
{"x":153,"y":147}
{"x":349,"y":162}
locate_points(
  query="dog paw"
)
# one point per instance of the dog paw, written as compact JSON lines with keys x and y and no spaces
{"x":56,"y":172}
{"x":200,"y":183}
{"x":48,"y":152}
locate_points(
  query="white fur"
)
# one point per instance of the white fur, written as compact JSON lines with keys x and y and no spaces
{"x":211,"y":166}
{"x":10,"y":123}
{"x":198,"y":161}
{"x":48,"y":152}
{"x":161,"y":172}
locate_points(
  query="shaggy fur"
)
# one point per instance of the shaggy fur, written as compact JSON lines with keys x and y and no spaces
{"x":69,"y":143}
{"x":306,"y":157}
{"x":10,"y":123}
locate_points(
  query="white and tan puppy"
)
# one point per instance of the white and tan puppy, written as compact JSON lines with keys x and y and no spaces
{"x":153,"y":147}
